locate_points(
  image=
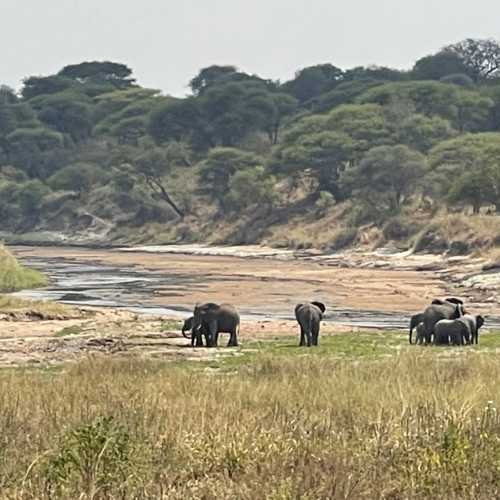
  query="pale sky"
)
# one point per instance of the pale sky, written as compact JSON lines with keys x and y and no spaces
{"x":166,"y":42}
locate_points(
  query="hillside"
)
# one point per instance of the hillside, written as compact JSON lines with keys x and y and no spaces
{"x":334,"y":157}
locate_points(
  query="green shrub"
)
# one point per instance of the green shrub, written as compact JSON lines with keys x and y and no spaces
{"x":14,"y":277}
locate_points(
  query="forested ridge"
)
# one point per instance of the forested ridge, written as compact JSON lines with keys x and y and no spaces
{"x":330,"y":158}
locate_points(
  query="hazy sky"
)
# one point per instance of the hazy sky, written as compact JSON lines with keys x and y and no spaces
{"x":166,"y":42}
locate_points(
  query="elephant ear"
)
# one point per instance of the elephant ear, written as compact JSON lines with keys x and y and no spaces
{"x":479,"y":321}
{"x":454,"y":300}
{"x":437,"y":302}
{"x":209,"y":306}
{"x":297,"y":307}
{"x":320,"y":306}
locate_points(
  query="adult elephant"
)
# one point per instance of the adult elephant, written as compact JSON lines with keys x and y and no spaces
{"x":438,"y":310}
{"x":415,"y":320}
{"x":217,"y":318}
{"x":196,"y":336}
{"x":309,"y":317}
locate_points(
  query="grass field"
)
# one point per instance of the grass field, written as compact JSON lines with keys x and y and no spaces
{"x":362,"y":416}
{"x":15,"y":277}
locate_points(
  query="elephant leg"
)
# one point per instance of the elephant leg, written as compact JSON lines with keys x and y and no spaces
{"x":308,"y":337}
{"x":233,"y":340}
{"x":199,"y":338}
{"x":212,"y":329}
{"x":315,"y":334}
{"x":302,"y":337}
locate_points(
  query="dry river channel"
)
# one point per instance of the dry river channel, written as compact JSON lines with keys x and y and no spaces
{"x":361,"y":290}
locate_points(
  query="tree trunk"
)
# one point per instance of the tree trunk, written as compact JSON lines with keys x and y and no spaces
{"x":166,"y":197}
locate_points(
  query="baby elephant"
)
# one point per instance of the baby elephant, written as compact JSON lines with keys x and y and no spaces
{"x":463,"y":330}
{"x":196,"y":337}
{"x":420,"y":334}
{"x":309,"y":317}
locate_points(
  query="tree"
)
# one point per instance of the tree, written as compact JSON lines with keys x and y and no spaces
{"x":374,"y":73}
{"x":218,"y":168}
{"x":386,"y":176}
{"x":154,"y":165}
{"x":451,"y":159}
{"x":250,"y":186}
{"x":422,"y":133}
{"x":178,"y":120}
{"x":79,"y":177}
{"x":33,"y":149}
{"x":43,"y":85}
{"x":119,"y":75}
{"x":438,"y":66}
{"x":233,"y":110}
{"x":208,"y":76}
{"x":481,"y":57}
{"x":476,"y":187}
{"x":312,"y":81}
{"x":324,"y":145}
{"x":67,"y":112}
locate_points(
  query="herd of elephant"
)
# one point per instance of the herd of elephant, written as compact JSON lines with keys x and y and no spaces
{"x":208,"y":320}
{"x":446,"y":322}
{"x":443,"y":322}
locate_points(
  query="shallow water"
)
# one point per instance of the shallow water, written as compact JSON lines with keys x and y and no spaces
{"x":94,"y":284}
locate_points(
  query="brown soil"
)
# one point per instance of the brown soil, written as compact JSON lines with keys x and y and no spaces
{"x":267,"y":285}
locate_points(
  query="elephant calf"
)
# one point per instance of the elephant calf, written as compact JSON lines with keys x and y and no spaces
{"x":420,"y":334}
{"x":450,"y":331}
{"x":197,"y":335}
{"x":463,"y":330}
{"x":309,"y":317}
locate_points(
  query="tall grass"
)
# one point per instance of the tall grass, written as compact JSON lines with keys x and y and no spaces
{"x":410,"y":426}
{"x":14,"y":276}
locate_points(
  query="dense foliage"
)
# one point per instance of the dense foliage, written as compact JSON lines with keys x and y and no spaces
{"x":87,"y":149}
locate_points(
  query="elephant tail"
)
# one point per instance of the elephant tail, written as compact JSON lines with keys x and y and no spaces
{"x":186,"y":336}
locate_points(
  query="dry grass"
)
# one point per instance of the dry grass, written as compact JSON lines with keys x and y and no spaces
{"x":410,"y":426}
{"x":14,"y":277}
{"x":44,"y":309}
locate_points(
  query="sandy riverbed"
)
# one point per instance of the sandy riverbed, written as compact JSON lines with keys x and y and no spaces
{"x":268,"y":284}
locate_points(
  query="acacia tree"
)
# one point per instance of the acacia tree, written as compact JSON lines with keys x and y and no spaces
{"x":153,"y":166}
{"x":386,"y":176}
{"x":481,"y":57}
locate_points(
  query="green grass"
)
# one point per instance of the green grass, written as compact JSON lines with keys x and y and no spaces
{"x":14,"y":276}
{"x":171,"y":325}
{"x":365,"y":345}
{"x":69,"y":330}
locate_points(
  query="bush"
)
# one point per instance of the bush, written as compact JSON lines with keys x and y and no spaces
{"x":343,"y":238}
{"x":15,"y":277}
{"x":400,"y":228}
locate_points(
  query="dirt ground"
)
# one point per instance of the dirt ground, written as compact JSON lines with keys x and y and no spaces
{"x":270,"y":284}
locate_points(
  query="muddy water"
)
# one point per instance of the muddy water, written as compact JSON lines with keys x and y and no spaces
{"x":102,"y":285}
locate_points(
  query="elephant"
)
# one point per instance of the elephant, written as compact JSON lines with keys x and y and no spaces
{"x":473,"y":324}
{"x":415,"y":320}
{"x":437,"y":311}
{"x":217,"y":318}
{"x":452,"y":300}
{"x":451,"y":331}
{"x":197,"y":337}
{"x":309,"y":317}
{"x":420,"y":333}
